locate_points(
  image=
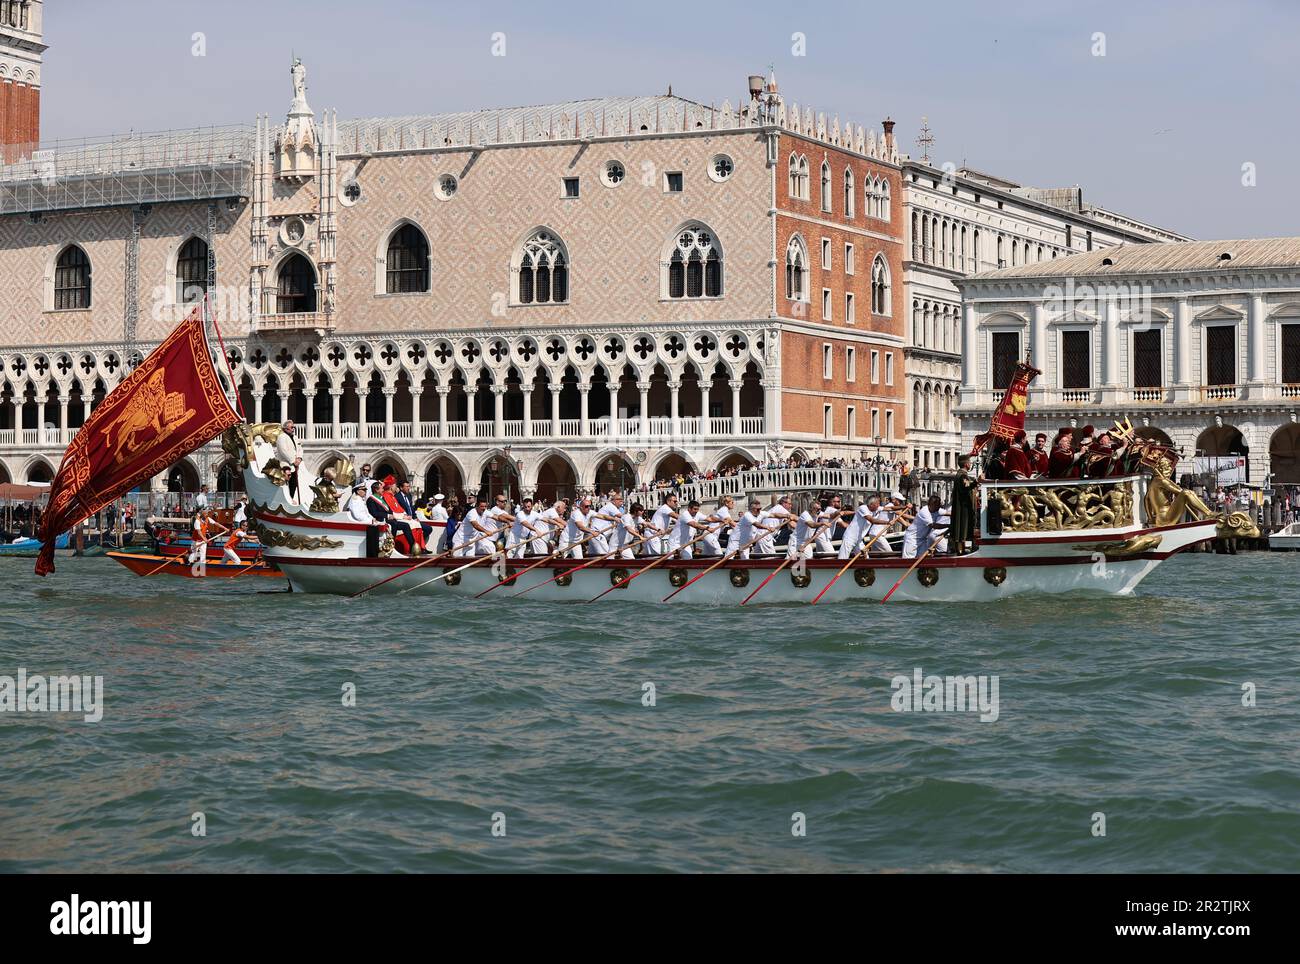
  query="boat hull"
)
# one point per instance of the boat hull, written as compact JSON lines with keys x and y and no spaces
{"x":143,"y":564}
{"x":983,"y":576}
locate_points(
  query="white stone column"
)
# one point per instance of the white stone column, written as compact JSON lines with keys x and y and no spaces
{"x":443,"y":391}
{"x":498,"y":410}
{"x":1038,"y":345}
{"x":1255,"y":349}
{"x":284,"y":405}
{"x":388,"y":412}
{"x":584,"y":424}
{"x":644,"y":389}
{"x":1182,"y":330}
{"x":310,"y":398}
{"x":416,"y":421}
{"x":363,"y":399}
{"x":772,"y":406}
{"x":336,"y":400}
{"x":736,"y":385}
{"x":674,"y":393}
{"x":969,"y":349}
{"x":555,"y":408}
{"x":528,"y":414}
{"x":1110,"y":351}
{"x":63,"y":419}
{"x":257,"y":405}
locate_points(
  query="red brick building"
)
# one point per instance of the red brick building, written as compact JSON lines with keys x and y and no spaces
{"x":20,"y":78}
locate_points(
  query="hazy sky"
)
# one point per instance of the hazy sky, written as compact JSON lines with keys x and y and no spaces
{"x":1158,"y":128}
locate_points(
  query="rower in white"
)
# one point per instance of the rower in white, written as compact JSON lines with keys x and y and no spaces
{"x":717,"y":521}
{"x":925,"y":529}
{"x":551,"y":523}
{"x":774,"y":519}
{"x":688,"y":528}
{"x":665,"y":524}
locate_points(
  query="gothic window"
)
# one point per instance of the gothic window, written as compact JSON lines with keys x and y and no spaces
{"x":695,"y":264}
{"x":826,"y":186}
{"x":884,"y":200}
{"x":796,"y":270}
{"x":542,"y":275}
{"x":1146,"y":359}
{"x":295,"y":286}
{"x":72,"y":279}
{"x":408,"y":261}
{"x":792,"y":188}
{"x":880,"y":287}
{"x":849,"y":189}
{"x":192,"y":271}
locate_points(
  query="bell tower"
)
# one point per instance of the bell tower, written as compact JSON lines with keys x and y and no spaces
{"x":21,"y":49}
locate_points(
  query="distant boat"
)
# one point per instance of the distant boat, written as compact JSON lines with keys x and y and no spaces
{"x":31,"y":547}
{"x":1286,"y":539}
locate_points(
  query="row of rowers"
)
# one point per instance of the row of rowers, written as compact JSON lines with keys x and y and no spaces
{"x":1089,"y":455}
{"x":609,"y":527}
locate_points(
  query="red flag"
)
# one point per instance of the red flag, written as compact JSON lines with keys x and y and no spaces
{"x":1009,"y":417}
{"x":168,"y":407}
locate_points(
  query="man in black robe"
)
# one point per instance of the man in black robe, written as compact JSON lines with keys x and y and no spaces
{"x":962,"y":530}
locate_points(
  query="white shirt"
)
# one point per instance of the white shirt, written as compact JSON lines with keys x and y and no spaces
{"x":684,"y":531}
{"x":611,"y":510}
{"x":522,"y":519}
{"x":921,"y":526}
{"x":804,"y":527}
{"x":241,"y":516}
{"x":748,"y":528}
{"x":358,"y":511}
{"x":885,"y":515}
{"x":576,"y":518}
{"x":437,"y":512}
{"x":663,"y":519}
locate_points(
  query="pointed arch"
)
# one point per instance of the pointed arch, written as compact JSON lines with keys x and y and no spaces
{"x":691,"y":263}
{"x":404,"y":255}
{"x":827,"y":203}
{"x":850,"y":192}
{"x":796,"y":269}
{"x":70,"y":286}
{"x":880,"y":286}
{"x":539,"y":270}
{"x":295,"y":281}
{"x":189,"y":270}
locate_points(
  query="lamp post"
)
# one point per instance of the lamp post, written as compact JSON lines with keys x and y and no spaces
{"x":879,"y":461}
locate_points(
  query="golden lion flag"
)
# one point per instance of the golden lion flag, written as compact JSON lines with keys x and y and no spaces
{"x":169,"y":406}
{"x":1009,"y":416}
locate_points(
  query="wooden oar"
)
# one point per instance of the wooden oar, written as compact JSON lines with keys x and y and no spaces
{"x":201,"y":542}
{"x":589,"y":562}
{"x":663,"y":558}
{"x":540,"y":562}
{"x":725,"y":557}
{"x":861,"y":552}
{"x":788,"y":559}
{"x":444,"y":575}
{"x":919,"y":560}
{"x":425,"y":562}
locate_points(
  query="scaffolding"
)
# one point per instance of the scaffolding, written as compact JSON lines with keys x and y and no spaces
{"x":185,"y":165}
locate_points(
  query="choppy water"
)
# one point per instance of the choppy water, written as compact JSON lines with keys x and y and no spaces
{"x":225,"y":700}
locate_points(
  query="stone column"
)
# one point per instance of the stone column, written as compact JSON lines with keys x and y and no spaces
{"x":674,"y":392}
{"x":1182,"y":329}
{"x":644,"y":389}
{"x":612,"y":387}
{"x":388,"y":411}
{"x":443,"y":391}
{"x":417,"y":422}
{"x":1110,"y":352}
{"x":336,"y":397}
{"x":555,"y":408}
{"x":1038,"y":344}
{"x":1255,"y":349}
{"x":498,"y":410}
{"x":362,"y":399}
{"x":257,"y":404}
{"x":772,"y":406}
{"x":528,"y":413}
{"x":310,"y":431}
{"x":63,"y":419}
{"x":736,"y":385}
{"x":969,"y":348}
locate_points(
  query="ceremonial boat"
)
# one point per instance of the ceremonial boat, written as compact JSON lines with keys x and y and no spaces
{"x":1050,"y":536}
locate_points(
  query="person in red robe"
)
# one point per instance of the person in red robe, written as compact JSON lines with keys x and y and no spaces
{"x":400,"y":521}
{"x":1039,"y":456}
{"x":1064,"y":460}
{"x":1018,"y":464}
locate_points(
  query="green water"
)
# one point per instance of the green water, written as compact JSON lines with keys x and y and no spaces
{"x":223,"y":699}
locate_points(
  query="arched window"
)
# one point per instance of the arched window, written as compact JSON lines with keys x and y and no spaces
{"x":804,"y":187}
{"x":192,"y":271}
{"x":826,"y":187}
{"x":295,"y":286}
{"x":880,"y":286}
{"x":408,"y":261}
{"x":794,"y":177}
{"x":694,"y":266}
{"x":72,"y":279}
{"x":849,"y":190}
{"x":542,"y":275}
{"x":796,"y":270}
{"x":884,"y":200}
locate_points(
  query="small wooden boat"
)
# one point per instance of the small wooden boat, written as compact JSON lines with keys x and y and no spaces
{"x":148,"y":564}
{"x":30,"y":548}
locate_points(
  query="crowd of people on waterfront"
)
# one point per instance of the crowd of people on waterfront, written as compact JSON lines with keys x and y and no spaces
{"x":677,"y":480}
